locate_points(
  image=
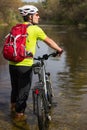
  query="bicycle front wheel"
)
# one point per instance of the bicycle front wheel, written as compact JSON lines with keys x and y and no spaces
{"x":41,"y":112}
{"x":49,"y":92}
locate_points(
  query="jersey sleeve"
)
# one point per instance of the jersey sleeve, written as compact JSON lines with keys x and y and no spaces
{"x":41,"y":35}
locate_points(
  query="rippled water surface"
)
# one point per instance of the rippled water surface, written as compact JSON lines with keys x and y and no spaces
{"x":69,"y":80}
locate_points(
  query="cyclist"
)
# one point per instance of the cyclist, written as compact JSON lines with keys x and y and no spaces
{"x":21,"y":72}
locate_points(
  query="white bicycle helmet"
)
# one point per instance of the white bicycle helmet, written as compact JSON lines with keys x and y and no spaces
{"x":27,"y":9}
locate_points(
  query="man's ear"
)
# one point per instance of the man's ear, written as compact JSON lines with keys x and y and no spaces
{"x":30,"y":17}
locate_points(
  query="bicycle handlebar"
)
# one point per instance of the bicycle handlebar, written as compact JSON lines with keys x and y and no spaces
{"x":46,"y":56}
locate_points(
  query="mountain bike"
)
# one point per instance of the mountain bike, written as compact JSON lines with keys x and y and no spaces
{"x":42,"y":92}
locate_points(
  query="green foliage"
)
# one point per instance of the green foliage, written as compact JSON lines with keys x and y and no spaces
{"x":8,"y":10}
{"x":53,"y":11}
{"x":74,"y":11}
{"x":66,"y":11}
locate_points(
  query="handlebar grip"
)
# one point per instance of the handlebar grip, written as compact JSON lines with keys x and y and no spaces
{"x":46,"y":56}
{"x":55,"y":54}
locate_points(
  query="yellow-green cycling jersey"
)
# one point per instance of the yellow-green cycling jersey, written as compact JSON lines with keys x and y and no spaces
{"x":34,"y":33}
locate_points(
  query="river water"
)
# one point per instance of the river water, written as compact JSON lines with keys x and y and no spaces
{"x":69,"y":80}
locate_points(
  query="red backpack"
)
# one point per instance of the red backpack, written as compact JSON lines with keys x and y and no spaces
{"x":15,"y":44}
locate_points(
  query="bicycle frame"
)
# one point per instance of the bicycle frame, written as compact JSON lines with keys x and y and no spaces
{"x":42,"y":71}
{"x":43,"y":76}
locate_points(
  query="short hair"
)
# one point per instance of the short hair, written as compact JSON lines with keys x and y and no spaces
{"x":26,"y":18}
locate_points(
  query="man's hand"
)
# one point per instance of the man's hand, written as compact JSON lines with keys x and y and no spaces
{"x":60,"y":52}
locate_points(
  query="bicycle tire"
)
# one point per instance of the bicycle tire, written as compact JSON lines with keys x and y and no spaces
{"x":41,"y":112}
{"x":49,"y":93}
{"x":34,"y":102}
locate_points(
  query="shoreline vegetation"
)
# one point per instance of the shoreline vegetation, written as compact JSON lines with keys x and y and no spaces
{"x":55,"y":12}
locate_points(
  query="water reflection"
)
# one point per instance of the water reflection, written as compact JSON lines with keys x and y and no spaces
{"x":72,"y":82}
{"x":69,"y":79}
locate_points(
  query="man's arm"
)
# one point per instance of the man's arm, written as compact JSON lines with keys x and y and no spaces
{"x":53,"y":44}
